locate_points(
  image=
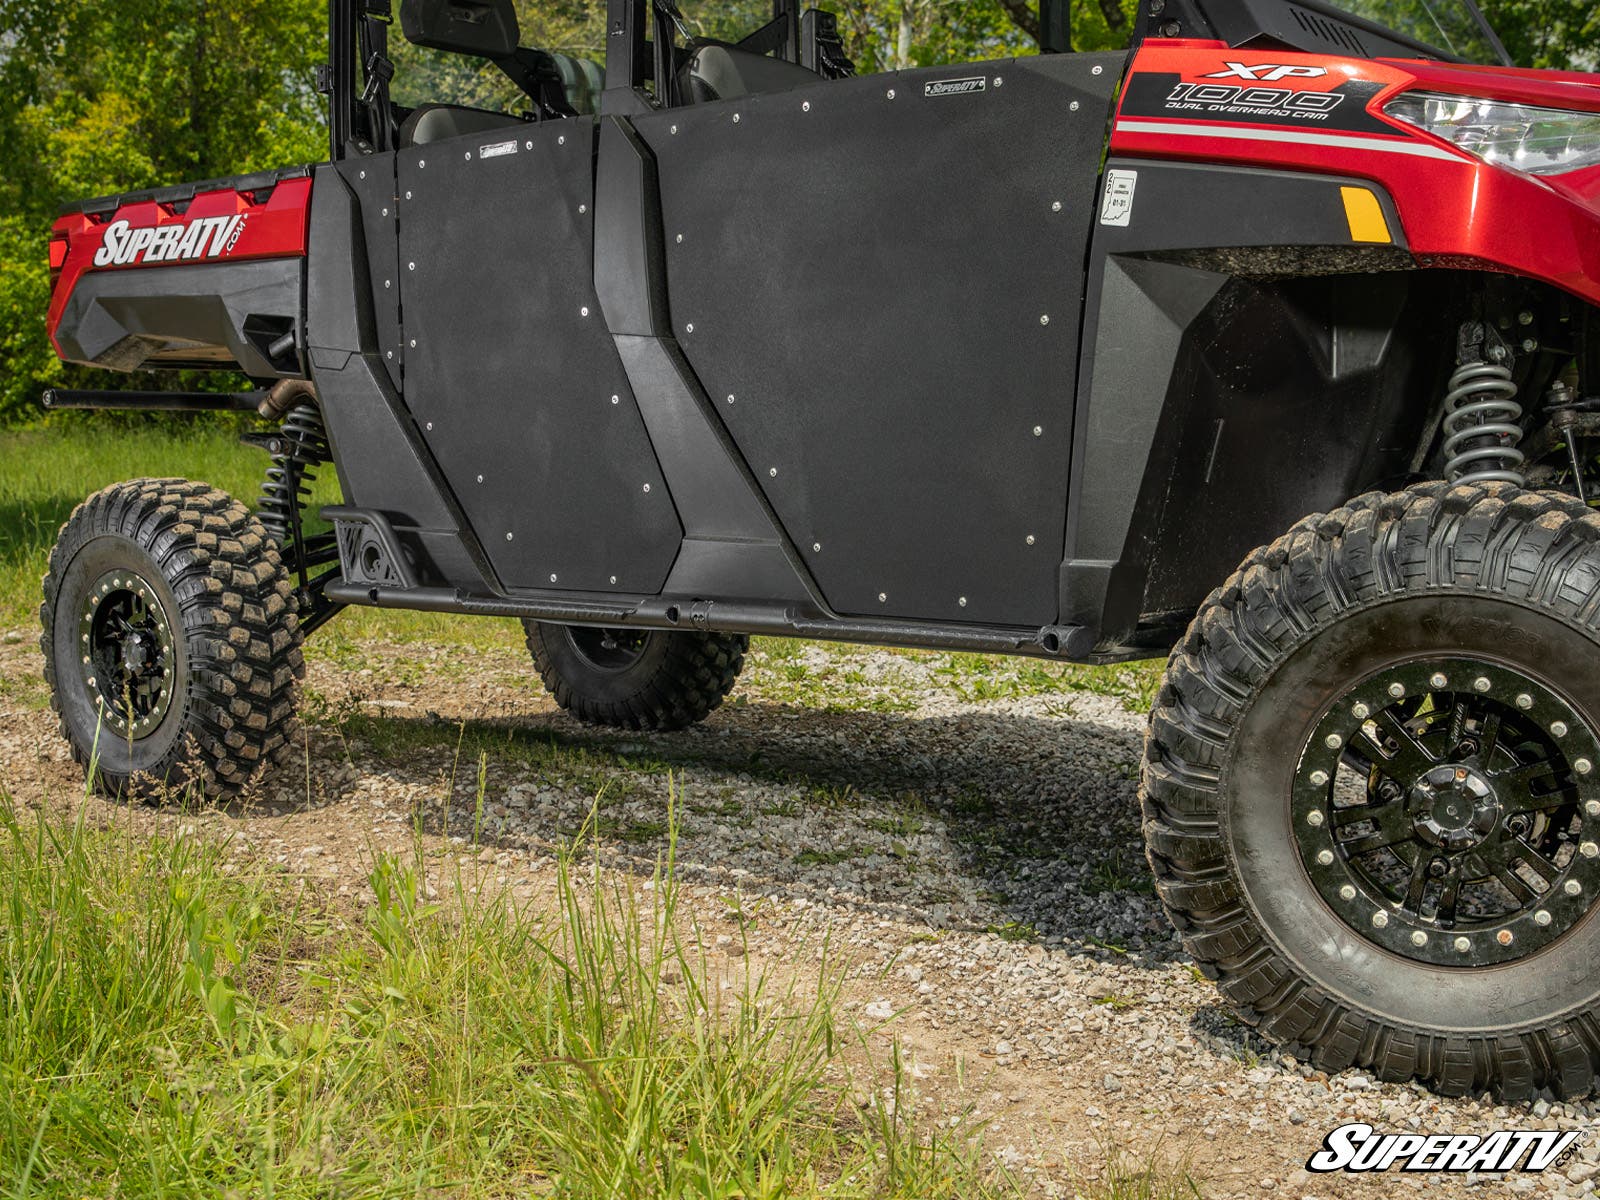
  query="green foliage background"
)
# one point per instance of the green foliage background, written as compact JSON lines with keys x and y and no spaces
{"x":108,"y":97}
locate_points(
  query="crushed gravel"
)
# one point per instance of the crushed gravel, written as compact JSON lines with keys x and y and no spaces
{"x":975,"y":864}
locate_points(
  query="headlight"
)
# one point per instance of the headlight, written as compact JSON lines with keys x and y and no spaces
{"x":1540,"y":141}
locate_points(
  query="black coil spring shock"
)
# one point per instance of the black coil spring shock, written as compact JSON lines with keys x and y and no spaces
{"x":298,"y":449}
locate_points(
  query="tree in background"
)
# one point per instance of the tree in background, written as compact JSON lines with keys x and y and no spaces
{"x":108,"y":97}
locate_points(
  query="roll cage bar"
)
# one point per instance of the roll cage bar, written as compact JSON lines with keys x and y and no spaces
{"x":640,"y":35}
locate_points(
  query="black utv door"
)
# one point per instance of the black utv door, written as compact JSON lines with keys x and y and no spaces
{"x":508,"y":368}
{"x":880,"y":282}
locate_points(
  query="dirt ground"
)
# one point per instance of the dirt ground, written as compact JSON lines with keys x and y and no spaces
{"x":967,"y":841}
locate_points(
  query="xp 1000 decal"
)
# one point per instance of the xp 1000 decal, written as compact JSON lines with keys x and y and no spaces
{"x":1235,"y":87}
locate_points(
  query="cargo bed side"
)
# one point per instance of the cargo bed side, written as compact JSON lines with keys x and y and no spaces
{"x":205,"y":275}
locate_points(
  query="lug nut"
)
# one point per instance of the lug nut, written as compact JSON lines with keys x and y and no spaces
{"x":1438,"y":868}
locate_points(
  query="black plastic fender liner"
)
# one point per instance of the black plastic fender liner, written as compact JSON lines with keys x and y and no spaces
{"x":1152,"y":277}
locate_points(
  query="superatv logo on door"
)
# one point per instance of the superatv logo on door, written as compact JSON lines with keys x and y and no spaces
{"x":193,"y":241}
{"x":956,"y":87}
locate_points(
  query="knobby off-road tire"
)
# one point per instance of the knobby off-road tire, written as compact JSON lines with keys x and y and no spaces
{"x":1351,"y":653}
{"x":636,"y":679}
{"x":171,"y":643}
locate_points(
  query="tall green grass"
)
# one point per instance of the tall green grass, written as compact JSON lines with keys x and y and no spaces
{"x":167,"y":1028}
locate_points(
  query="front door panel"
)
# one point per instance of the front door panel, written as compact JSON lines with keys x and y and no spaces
{"x":880,"y":282}
{"x":509,"y":370}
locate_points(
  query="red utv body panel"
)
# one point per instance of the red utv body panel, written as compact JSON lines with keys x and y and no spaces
{"x":217,"y":226}
{"x":1204,"y":102}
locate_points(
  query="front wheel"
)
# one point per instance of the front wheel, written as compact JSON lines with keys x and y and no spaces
{"x":636,"y":678}
{"x":1372,"y":789}
{"x":170,"y":639}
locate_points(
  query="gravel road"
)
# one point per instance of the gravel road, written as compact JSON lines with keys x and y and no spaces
{"x":965,"y":834}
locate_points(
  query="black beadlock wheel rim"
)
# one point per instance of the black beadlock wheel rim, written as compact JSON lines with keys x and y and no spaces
{"x":1448,"y":810}
{"x":608,"y":649}
{"x":126,"y":654}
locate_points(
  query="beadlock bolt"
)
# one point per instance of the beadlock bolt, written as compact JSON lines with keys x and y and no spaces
{"x":1439,"y":680}
{"x":1319,"y":777}
{"x":1558,"y":729}
{"x":1463,"y":944}
{"x":1380,"y":920}
{"x":1541,"y":918}
{"x":1418,"y":938}
{"x":1505,"y":937}
{"x":1524,"y":701}
{"x":1315,"y":818}
{"x":1325,"y":857}
{"x":1582,"y":766}
{"x":1347,"y":892}
{"x":1360,"y":711}
{"x":1397,"y":690}
{"x":1589,"y":850}
{"x":1480,"y":684}
{"x":1572,"y":887}
{"x":1333,"y":741}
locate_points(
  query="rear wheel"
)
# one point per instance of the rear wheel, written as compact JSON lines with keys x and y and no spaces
{"x":633,"y":678}
{"x":170,"y":640}
{"x":1372,"y":789}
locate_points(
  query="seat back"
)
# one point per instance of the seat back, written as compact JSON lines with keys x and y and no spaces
{"x":718,"y":71}
{"x":581,"y":80}
{"x":438,"y":122}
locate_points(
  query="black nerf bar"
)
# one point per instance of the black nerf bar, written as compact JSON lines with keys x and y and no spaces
{"x":58,"y":398}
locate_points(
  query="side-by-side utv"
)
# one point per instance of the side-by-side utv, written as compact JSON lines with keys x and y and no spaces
{"x":1021,"y":357}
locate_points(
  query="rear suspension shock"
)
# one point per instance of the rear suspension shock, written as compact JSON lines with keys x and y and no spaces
{"x":298,"y":448}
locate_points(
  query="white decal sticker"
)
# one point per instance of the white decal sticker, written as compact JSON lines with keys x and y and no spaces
{"x":208,"y":237}
{"x":1117,"y":208}
{"x":498,"y":150}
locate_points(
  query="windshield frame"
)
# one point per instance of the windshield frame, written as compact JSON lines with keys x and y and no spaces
{"x":1493,"y":38}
